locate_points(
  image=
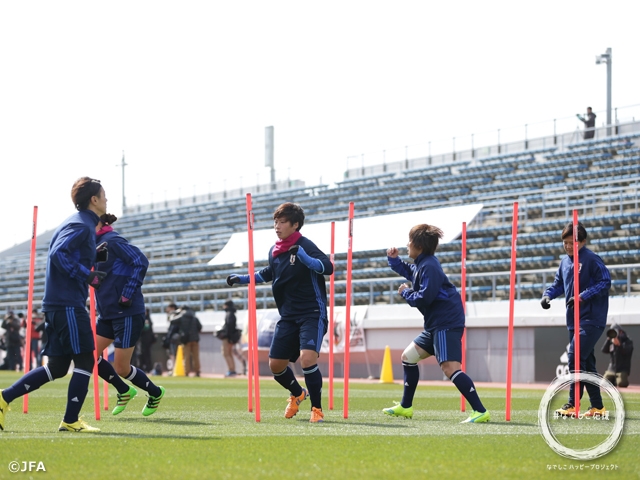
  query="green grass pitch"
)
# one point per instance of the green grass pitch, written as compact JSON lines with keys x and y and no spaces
{"x":203,"y":430}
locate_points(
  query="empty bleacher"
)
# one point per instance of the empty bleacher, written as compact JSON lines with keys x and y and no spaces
{"x":600,"y":178}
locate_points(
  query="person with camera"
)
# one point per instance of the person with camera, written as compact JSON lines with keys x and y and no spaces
{"x":121,"y":317}
{"x":13,"y":342}
{"x":595,"y":282}
{"x":620,"y":347}
{"x":172,"y":338}
{"x":71,"y":257}
{"x":230,"y":336}
{"x":189,"y":328}
{"x":589,"y":121}
{"x":36,"y":336}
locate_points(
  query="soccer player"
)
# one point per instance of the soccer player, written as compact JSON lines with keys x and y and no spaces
{"x":121,"y":310}
{"x":595,"y":282}
{"x":440,"y":304}
{"x":296,"y":270}
{"x":72,"y":254}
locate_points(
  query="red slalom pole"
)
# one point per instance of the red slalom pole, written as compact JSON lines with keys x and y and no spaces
{"x":512,"y":291}
{"x":463,"y":289}
{"x":96,"y":385}
{"x":253,"y":330}
{"x":105,"y":385}
{"x":332,"y":292}
{"x":249,"y":361}
{"x":576,"y":312}
{"x":27,"y":346}
{"x":347,"y":320}
{"x":249,"y":326}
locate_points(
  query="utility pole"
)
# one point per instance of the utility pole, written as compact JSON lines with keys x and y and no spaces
{"x":123,"y":164}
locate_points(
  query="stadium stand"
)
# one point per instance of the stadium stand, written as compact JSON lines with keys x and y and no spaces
{"x":600,"y":178}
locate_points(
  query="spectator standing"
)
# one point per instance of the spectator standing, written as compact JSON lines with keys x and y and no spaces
{"x":172,"y":338}
{"x":37,"y":326}
{"x":189,"y":328}
{"x":13,"y":341}
{"x":230,"y":336}
{"x":589,"y":121}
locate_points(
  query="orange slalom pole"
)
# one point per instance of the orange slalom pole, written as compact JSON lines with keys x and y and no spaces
{"x":347,"y":320}
{"x":105,"y":385}
{"x":576,"y":312}
{"x":252,"y":308}
{"x":512,"y":291}
{"x":27,"y":346}
{"x":96,"y":385}
{"x":463,"y":289}
{"x":332,"y":292}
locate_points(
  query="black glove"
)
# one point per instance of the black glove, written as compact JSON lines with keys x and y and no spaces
{"x":232,"y":280}
{"x":102,"y":253}
{"x":294,"y":249}
{"x":125,"y":302}
{"x":545,"y":302}
{"x":95,"y":278}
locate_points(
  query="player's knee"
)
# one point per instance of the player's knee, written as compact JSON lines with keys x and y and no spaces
{"x":450,"y":367}
{"x":448,"y":370}
{"x":308,"y":358}
{"x":123,"y":370}
{"x":84,"y":361}
{"x":411,"y":355}
{"x":277,"y":366}
{"x":58,"y":366}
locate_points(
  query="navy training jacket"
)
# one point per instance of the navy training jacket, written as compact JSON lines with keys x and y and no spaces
{"x":298,"y":291}
{"x":432,"y":294}
{"x":595,"y":282}
{"x":72,"y":253}
{"x":126,"y":267}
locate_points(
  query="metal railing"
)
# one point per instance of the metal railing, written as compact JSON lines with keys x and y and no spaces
{"x":531,"y":136}
{"x":525,"y":281}
{"x":477,"y":288}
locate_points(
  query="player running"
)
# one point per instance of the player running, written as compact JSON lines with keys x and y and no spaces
{"x":440,"y":304}
{"x":595,"y":282}
{"x":121,"y":310}
{"x":72,"y":254}
{"x":296,"y":270}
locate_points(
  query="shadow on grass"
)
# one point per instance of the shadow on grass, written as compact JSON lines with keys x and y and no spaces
{"x":355,"y":423}
{"x":163,"y":421}
{"x":515,"y":424}
{"x":150,"y":435}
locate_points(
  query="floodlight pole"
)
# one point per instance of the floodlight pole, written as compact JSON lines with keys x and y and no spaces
{"x":607,"y":58}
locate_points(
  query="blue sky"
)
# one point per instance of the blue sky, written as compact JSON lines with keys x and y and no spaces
{"x":186,"y":89}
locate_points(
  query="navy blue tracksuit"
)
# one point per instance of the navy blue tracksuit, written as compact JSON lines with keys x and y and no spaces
{"x":595,"y":282}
